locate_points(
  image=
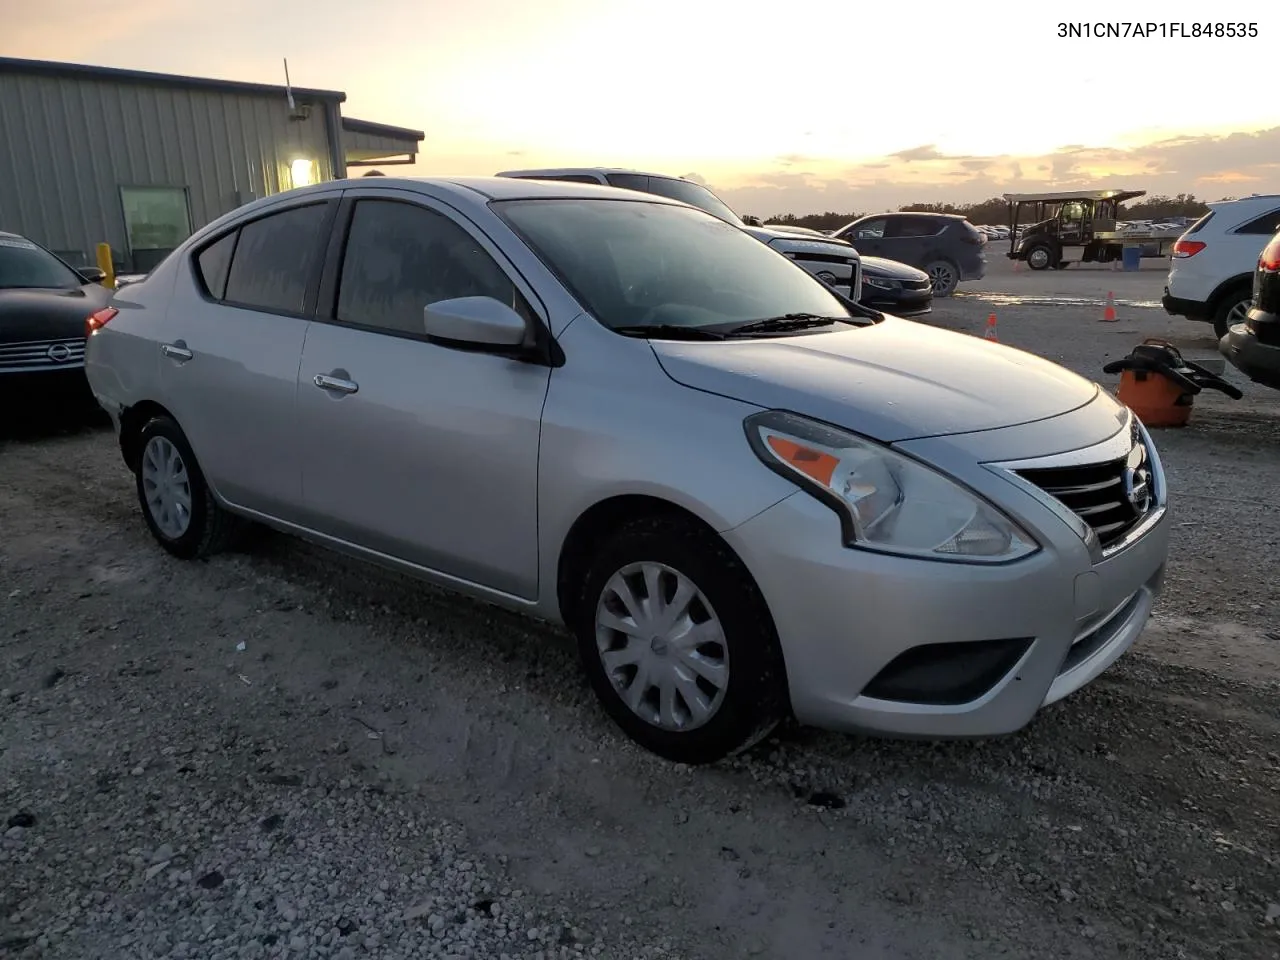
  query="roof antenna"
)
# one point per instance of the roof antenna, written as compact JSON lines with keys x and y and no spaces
{"x":288,"y":88}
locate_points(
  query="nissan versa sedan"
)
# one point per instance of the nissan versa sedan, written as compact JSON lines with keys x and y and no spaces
{"x":745,"y":495}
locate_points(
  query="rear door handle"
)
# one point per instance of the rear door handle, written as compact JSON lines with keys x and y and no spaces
{"x":335,"y":384}
{"x":176,"y":351}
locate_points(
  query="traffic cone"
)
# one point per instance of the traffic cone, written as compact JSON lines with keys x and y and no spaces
{"x":991,"y":329}
{"x":1109,"y":312}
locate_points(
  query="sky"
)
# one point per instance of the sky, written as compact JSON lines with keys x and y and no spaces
{"x":780,"y":108}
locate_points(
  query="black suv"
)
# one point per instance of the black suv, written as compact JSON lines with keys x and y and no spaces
{"x":1253,"y":347}
{"x":946,"y":246}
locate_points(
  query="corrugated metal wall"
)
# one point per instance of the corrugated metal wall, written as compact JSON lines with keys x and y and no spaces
{"x":68,"y":144}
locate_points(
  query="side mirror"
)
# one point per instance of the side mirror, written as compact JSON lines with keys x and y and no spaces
{"x":475,"y":322}
{"x":92,"y":274}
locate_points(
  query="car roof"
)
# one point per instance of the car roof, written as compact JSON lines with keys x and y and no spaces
{"x":570,"y":171}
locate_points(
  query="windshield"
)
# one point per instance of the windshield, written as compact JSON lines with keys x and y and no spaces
{"x":640,"y":264}
{"x":24,"y":264}
{"x":686,"y":191}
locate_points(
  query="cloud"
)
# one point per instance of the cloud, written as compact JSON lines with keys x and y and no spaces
{"x":1205,"y":165}
{"x":916,"y":154}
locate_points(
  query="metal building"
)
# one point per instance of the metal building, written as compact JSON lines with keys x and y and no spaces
{"x":140,"y":160}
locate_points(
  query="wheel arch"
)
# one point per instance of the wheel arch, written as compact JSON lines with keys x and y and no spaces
{"x":1226,"y":287}
{"x":132,"y":420}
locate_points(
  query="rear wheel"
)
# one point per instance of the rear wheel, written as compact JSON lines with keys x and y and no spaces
{"x":678,"y":642}
{"x":1232,"y":309}
{"x":945,"y":277}
{"x":177,"y":504}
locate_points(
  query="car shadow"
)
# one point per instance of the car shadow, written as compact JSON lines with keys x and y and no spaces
{"x":24,"y":419}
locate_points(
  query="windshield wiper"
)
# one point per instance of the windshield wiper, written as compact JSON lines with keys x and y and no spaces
{"x":668,"y":331}
{"x":788,"y":321}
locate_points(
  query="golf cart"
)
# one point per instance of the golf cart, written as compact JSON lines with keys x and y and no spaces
{"x":1077,"y":226}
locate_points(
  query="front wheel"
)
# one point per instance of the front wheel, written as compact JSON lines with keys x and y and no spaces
{"x":177,"y":504}
{"x":944,"y":276}
{"x":678,"y":642}
{"x":1040,"y":258}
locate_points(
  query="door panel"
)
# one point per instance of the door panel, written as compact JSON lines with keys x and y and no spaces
{"x":418,"y":451}
{"x":432,"y":459}
{"x":229,"y":370}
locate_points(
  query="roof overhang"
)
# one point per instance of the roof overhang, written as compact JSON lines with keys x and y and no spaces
{"x":368,"y":144}
{"x":1119,"y":196}
{"x":84,"y":71}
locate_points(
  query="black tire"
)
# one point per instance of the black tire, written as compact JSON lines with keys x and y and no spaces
{"x":943,"y":268}
{"x":1235,"y":297}
{"x":755,"y":698}
{"x":1044,"y":262}
{"x":210,"y":529}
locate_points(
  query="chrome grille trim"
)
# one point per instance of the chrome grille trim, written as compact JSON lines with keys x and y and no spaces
{"x":1084,"y":503}
{"x":34,"y":355}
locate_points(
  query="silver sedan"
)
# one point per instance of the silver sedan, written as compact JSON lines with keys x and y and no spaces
{"x":745,"y":495}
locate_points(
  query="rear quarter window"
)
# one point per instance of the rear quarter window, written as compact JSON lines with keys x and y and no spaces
{"x":213,"y":263}
{"x":1263,"y":226}
{"x":1200,"y":224}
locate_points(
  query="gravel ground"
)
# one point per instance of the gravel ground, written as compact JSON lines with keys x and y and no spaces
{"x":283,"y":753}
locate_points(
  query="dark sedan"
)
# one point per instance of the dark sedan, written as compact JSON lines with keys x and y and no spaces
{"x":895,"y":288}
{"x":43,"y":307}
{"x":1253,"y":346}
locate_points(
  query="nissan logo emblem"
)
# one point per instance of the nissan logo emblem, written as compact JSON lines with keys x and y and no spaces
{"x":59,"y":353}
{"x":1137,"y":489}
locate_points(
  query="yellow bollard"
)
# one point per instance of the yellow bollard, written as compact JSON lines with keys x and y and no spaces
{"x":104,"y":264}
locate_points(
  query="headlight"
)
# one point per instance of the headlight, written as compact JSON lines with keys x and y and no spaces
{"x":886,"y":501}
{"x":880,"y":283}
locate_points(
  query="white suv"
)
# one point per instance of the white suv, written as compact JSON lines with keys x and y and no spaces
{"x":1211,"y":275}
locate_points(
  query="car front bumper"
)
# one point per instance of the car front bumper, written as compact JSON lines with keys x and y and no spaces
{"x":909,"y":303}
{"x":845,"y":617}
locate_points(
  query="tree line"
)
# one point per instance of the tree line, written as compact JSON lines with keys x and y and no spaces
{"x":996,"y":211}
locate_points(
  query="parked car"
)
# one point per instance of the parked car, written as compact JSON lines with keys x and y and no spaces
{"x":1212,"y":268}
{"x":895,"y":288}
{"x":1253,"y":346}
{"x":832,"y":261}
{"x":43,"y":303}
{"x":745,"y":495}
{"x":946,"y":246}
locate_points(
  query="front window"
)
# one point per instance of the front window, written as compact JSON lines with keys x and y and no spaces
{"x":645,"y":264}
{"x":25,"y":264}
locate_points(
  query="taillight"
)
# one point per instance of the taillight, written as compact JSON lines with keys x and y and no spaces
{"x":1187,"y":248}
{"x":1270,"y":259}
{"x":99,"y":319}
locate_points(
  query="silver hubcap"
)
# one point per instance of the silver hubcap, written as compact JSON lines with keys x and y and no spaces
{"x":942,"y":277}
{"x":662,"y":646}
{"x":1039,"y":258}
{"x":1239,"y":313}
{"x":166,"y":487}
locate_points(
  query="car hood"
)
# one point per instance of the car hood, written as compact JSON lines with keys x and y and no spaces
{"x":890,"y":269}
{"x":794,"y":242}
{"x":48,"y":314}
{"x":893,"y":381}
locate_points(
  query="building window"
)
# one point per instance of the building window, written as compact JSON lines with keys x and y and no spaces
{"x":156,"y":220}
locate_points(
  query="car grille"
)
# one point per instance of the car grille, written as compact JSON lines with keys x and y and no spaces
{"x":1112,"y":497}
{"x":40,"y":355}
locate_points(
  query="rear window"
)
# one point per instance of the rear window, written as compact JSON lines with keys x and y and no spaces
{"x":1199,"y":224}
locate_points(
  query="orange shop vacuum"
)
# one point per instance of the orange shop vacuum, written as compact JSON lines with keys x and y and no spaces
{"x":1159,"y":386}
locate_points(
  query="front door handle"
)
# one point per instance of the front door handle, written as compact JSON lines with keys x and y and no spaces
{"x":176,"y":351}
{"x":335,"y":384}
